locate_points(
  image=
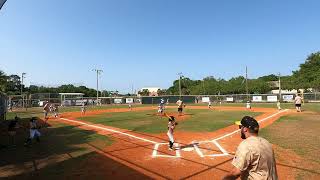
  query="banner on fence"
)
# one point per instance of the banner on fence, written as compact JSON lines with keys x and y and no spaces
{"x":205,"y":99}
{"x":256,"y":98}
{"x":117,"y":101}
{"x":229,"y":99}
{"x":287,"y":97}
{"x":272,"y":98}
{"x":129,"y":100}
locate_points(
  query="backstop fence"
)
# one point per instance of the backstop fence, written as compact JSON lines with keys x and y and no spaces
{"x":3,"y":106}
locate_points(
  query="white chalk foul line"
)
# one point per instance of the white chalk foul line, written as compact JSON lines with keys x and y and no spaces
{"x":220,"y":147}
{"x":229,"y":134}
{"x":195,"y":145}
{"x":111,"y":130}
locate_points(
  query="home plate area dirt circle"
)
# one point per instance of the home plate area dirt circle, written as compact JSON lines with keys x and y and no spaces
{"x":196,"y":155}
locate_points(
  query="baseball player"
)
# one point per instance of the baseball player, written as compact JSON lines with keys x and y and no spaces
{"x":56,"y":111}
{"x":297,"y":102}
{"x":248,"y":105}
{"x":160,"y":109}
{"x":130,"y":106}
{"x":180,"y":106}
{"x":278,"y":105}
{"x":209,"y":104}
{"x":83,"y":109}
{"x":162,"y":104}
{"x":171,"y":125}
{"x":33,"y":131}
{"x":46,"y":109}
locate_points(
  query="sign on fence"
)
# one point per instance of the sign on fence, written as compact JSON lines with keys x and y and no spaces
{"x":272,"y":98}
{"x":205,"y":99}
{"x":129,"y":100}
{"x":287,"y":97}
{"x":229,"y":99}
{"x":117,"y":101}
{"x":256,"y":98}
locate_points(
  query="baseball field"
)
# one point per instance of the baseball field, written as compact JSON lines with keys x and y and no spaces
{"x":114,"y":141}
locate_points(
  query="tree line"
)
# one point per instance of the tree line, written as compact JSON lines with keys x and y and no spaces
{"x":307,"y":76}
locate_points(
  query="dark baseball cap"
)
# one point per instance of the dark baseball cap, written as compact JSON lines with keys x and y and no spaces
{"x":248,"y":122}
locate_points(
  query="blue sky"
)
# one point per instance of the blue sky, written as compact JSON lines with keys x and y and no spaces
{"x":144,"y":43}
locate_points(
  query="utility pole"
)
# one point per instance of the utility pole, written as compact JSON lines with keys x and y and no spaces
{"x":132,"y":89}
{"x":98,"y":71}
{"x":180,"y":75}
{"x":247,"y":89}
{"x":279,"y":87}
{"x":22,"y":77}
{"x":204,"y":92}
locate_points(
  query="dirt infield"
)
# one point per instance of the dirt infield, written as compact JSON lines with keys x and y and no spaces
{"x":198,"y":155}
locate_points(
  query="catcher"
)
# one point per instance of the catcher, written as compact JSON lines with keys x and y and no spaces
{"x":171,"y":125}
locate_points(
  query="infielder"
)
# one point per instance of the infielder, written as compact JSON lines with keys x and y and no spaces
{"x":160,"y":109}
{"x":248,"y":105}
{"x":279,"y":105}
{"x":83,"y":109}
{"x":297,"y":102}
{"x":180,"y":106}
{"x":209,"y":104}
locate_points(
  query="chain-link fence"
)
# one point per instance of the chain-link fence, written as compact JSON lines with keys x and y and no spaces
{"x":3,"y":106}
{"x":232,"y":98}
{"x":39,"y":99}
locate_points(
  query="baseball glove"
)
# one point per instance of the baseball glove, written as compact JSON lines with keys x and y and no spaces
{"x":175,"y":123}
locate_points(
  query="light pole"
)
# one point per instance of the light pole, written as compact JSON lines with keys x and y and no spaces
{"x":98,"y":71}
{"x":247,"y":89}
{"x":180,"y":75}
{"x":22,"y":77}
{"x":279,"y":87}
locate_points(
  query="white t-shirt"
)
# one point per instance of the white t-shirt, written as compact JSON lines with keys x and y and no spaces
{"x":298,"y":100}
{"x":171,"y":126}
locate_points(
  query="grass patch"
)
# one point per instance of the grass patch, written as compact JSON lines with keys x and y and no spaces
{"x":207,"y":121}
{"x":145,"y":121}
{"x":299,"y":133}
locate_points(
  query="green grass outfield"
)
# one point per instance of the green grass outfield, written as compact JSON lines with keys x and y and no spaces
{"x":300,"y":134}
{"x":307,"y":106}
{"x":203,"y":120}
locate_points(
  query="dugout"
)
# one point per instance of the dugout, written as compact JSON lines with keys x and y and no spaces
{"x":3,"y":106}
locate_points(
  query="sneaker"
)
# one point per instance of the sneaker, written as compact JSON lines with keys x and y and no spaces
{"x":170,"y":149}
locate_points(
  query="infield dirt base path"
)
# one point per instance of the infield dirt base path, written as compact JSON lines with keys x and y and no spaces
{"x":199,"y":156}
